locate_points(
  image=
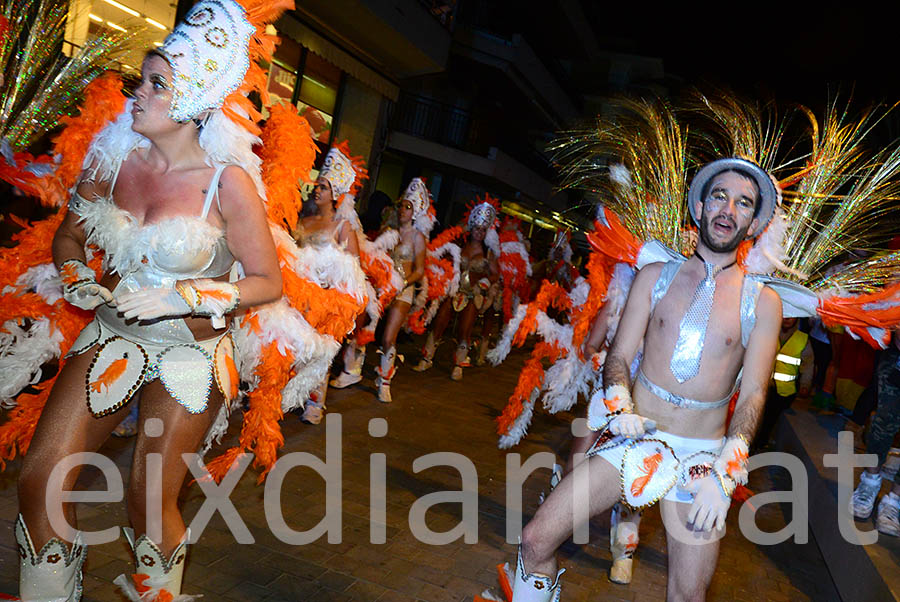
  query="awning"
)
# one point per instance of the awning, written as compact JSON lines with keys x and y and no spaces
{"x":337,"y":56}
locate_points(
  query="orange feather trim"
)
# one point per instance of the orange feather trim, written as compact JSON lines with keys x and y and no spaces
{"x":614,"y":240}
{"x":530,"y":378}
{"x":379,"y":271}
{"x":550,"y":294}
{"x":260,"y":431}
{"x":880,"y":309}
{"x":448,"y":235}
{"x":364,"y":336}
{"x":600,"y":270}
{"x":288,"y":153}
{"x":262,"y":45}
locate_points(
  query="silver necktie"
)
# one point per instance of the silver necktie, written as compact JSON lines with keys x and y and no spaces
{"x":692,"y":332}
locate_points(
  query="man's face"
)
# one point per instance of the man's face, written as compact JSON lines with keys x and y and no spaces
{"x":726,"y":214}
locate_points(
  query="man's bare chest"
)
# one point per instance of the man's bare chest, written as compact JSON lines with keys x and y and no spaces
{"x":723,"y":326}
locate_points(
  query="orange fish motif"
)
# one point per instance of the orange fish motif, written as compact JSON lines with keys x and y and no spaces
{"x":68,"y":274}
{"x":612,"y":404}
{"x":110,"y":375}
{"x":233,"y":378}
{"x":651,"y":464}
{"x":214,"y":293}
{"x":732,"y":467}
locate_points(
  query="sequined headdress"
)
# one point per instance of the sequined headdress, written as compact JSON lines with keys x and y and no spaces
{"x":423,"y":213}
{"x":345,"y":174}
{"x":209,"y":55}
{"x":484,"y":213}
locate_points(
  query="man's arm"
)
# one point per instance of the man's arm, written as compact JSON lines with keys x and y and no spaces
{"x":632,"y":326}
{"x":758,"y":361}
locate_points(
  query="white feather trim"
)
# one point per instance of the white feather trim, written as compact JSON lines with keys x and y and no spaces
{"x":768,"y":253}
{"x":580,"y":292}
{"x":492,"y":241}
{"x":386,"y":241}
{"x":229,"y":143}
{"x":126,"y":242}
{"x":111,"y":145}
{"x":44,"y":280}
{"x":620,"y":175}
{"x":504,"y":344}
{"x":564,"y":381}
{"x":520,"y":426}
{"x":22,"y":353}
{"x":424,"y":223}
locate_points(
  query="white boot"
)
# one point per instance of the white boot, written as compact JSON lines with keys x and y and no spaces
{"x":427,"y":354}
{"x":154,"y":573}
{"x":533,"y":587}
{"x":354,"y":357}
{"x":623,"y":541}
{"x":386,"y":372}
{"x":460,"y":360}
{"x":54,"y":573}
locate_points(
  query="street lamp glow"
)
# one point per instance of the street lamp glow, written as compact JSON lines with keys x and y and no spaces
{"x":122,"y":7}
{"x":156,"y":24}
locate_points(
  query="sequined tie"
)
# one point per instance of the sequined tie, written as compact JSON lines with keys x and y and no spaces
{"x":691,"y":333}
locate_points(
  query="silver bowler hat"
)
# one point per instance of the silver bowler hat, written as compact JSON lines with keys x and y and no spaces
{"x":769,"y":194}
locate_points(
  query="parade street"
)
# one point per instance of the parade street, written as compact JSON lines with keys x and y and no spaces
{"x":430,"y":413}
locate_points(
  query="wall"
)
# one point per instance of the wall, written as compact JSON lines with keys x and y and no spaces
{"x":358,"y":118}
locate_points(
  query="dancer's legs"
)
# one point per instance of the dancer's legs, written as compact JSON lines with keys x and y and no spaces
{"x":553,"y":522}
{"x":183,"y":432}
{"x":693,"y":555}
{"x":66,"y":427}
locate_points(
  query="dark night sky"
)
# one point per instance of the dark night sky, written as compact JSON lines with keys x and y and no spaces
{"x":794,"y":52}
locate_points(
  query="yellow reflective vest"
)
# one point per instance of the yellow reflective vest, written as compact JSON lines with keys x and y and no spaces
{"x":787,"y":363}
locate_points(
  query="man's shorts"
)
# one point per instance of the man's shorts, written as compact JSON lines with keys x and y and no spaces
{"x":657,"y":465}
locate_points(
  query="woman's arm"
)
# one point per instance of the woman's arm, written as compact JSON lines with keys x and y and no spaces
{"x":69,"y":239}
{"x":249,"y":239}
{"x":347,"y":237}
{"x":419,"y":262}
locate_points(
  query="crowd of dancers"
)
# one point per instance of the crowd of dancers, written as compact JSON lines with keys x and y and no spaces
{"x":182,"y":274}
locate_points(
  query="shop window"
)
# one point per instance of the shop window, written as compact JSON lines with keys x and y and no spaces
{"x":283,"y":71}
{"x":318,"y":95}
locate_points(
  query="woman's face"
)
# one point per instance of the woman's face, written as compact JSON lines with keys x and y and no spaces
{"x":153,"y":97}
{"x":405,"y":211}
{"x":478,"y":233}
{"x":322,"y":192}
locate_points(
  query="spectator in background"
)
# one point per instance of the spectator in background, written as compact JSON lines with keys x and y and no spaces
{"x":794,"y":365}
{"x":885,"y":426}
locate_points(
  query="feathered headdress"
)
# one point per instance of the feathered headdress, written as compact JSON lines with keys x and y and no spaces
{"x":345,"y":173}
{"x":485,"y":213}
{"x":423,"y":211}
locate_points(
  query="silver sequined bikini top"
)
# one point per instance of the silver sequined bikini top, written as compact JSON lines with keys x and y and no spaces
{"x":181,"y":246}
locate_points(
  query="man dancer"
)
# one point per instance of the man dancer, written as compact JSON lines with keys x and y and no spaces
{"x":706,"y":328}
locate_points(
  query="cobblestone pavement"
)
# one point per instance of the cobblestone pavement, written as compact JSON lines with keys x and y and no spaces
{"x":430,"y":413}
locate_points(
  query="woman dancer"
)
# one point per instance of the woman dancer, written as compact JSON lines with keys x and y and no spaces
{"x":478,"y":272}
{"x":416,"y":218}
{"x":171,"y":195}
{"x":329,"y":231}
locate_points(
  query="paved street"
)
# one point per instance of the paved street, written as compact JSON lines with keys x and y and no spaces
{"x":431,"y":413}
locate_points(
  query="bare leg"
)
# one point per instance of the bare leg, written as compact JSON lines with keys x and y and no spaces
{"x":693,"y":555}
{"x":66,"y":427}
{"x":183,"y":432}
{"x":466,"y":322}
{"x":396,"y":317}
{"x":442,"y":318}
{"x":553,"y":522}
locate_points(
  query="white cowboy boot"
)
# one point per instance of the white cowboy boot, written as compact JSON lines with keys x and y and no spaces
{"x":623,"y":541}
{"x":427,"y":354}
{"x":534,"y":587}
{"x":386,"y":372}
{"x":54,"y":573}
{"x":354,"y":357}
{"x":460,"y":360}
{"x":314,"y":408}
{"x":154,"y":573}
